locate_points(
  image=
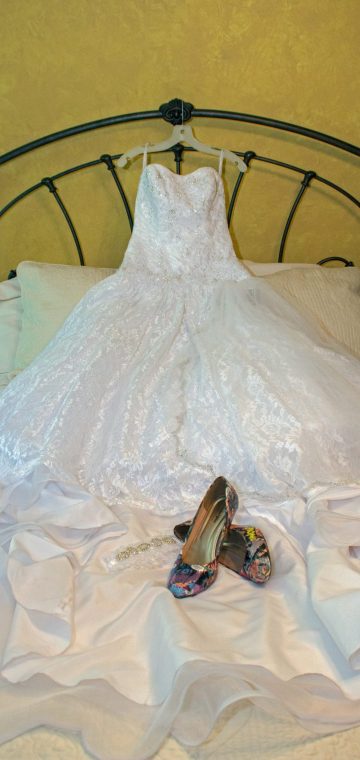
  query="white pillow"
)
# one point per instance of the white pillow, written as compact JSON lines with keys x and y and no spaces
{"x":260,"y":269}
{"x":49,"y":293}
{"x":330,"y":297}
{"x":10,"y":324}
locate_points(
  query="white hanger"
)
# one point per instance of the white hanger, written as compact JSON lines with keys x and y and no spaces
{"x":181,"y":133}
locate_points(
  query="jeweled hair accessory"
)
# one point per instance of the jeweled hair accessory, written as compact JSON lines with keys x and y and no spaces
{"x":158,"y":551}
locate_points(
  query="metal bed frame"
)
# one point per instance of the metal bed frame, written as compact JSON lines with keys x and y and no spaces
{"x":178,"y":111}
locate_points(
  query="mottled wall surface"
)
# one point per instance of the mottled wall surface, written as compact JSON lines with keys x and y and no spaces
{"x":66,"y":62}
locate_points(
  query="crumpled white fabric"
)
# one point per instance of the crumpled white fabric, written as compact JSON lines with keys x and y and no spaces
{"x":180,"y":367}
{"x":333,"y":559}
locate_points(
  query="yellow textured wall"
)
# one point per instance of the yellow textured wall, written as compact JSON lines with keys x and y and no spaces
{"x":67,"y":62}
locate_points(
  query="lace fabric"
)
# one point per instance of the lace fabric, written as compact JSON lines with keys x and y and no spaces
{"x":178,"y":368}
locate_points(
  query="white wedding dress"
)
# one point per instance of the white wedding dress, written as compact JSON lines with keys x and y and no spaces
{"x":178,"y":368}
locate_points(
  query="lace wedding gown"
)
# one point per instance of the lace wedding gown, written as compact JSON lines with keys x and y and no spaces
{"x":178,"y":368}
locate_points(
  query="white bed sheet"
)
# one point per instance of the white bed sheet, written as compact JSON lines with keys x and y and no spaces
{"x":260,"y":736}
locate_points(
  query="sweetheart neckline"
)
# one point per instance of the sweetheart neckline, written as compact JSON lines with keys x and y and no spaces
{"x":181,"y":176}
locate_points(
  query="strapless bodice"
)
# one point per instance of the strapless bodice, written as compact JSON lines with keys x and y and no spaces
{"x":180,"y":227}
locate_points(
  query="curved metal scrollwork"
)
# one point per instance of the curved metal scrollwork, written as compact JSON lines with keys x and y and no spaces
{"x":175,"y":112}
{"x":49,"y":183}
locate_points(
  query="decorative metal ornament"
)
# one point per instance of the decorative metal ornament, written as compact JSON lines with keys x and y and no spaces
{"x":176,"y":111}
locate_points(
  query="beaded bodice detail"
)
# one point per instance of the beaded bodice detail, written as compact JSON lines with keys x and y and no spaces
{"x":180,"y":228}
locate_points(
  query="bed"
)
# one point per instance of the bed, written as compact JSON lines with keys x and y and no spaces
{"x":38,"y":296}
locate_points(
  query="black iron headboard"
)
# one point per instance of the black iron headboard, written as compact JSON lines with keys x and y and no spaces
{"x":176,"y":112}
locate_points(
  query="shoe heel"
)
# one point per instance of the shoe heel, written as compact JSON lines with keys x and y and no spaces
{"x":244,"y":550}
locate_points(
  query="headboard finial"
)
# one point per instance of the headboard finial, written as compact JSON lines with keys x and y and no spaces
{"x":176,"y":111}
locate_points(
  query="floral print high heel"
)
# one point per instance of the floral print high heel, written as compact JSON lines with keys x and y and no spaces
{"x":244,"y":550}
{"x":196,"y":567}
